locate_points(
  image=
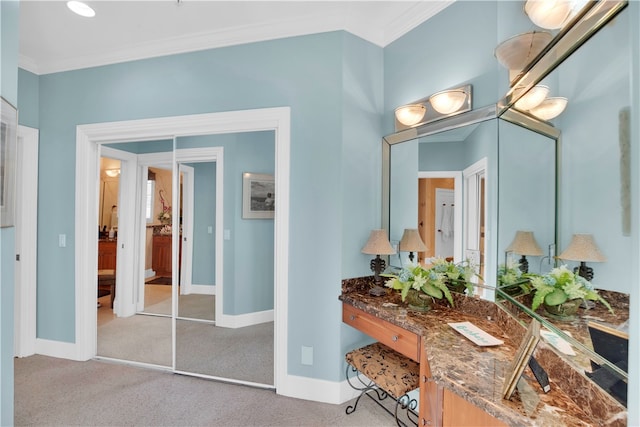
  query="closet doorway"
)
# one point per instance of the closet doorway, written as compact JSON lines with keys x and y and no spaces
{"x":89,"y":136}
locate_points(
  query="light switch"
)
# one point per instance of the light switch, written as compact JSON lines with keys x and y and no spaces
{"x":62,"y":240}
{"x":210,"y":229}
{"x":227,"y":234}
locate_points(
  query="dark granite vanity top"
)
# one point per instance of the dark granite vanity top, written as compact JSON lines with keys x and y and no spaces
{"x":477,"y":373}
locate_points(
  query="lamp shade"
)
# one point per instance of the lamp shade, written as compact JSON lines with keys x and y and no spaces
{"x":582,"y":248}
{"x":525,"y":244}
{"x":378,"y":244}
{"x":448,"y":101}
{"x":410,"y":114}
{"x":411,"y":241}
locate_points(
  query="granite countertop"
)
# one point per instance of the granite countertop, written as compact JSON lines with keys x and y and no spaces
{"x":477,"y":373}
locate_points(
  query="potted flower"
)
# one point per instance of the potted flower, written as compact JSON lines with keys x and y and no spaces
{"x":512,"y":280}
{"x":419,"y":285}
{"x":561,"y":291}
{"x":457,"y":276}
{"x":165,"y":216}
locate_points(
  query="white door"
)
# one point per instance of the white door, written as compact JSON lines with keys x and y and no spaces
{"x":445,"y":222}
{"x":26,"y":223}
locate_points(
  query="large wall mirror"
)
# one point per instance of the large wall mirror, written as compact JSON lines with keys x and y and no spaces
{"x":554,"y":181}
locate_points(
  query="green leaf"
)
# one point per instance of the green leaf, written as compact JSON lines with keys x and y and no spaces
{"x":431,"y":290}
{"x":556,"y":297}
{"x":539,"y":295}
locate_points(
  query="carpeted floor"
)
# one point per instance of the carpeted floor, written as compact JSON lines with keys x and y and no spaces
{"x":58,"y":392}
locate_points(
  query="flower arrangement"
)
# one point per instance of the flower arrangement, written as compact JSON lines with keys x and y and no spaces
{"x":512,"y":279}
{"x":165,"y":215}
{"x":433,"y":281}
{"x":561,"y":285}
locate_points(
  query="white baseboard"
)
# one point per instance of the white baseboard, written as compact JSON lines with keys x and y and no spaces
{"x":59,"y":349}
{"x":242,"y":320}
{"x":317,"y":390}
{"x":149,"y":273}
{"x":203,"y":289}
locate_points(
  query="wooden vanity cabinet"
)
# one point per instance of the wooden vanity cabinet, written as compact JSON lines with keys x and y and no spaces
{"x":107,"y":250}
{"x":438,"y":406}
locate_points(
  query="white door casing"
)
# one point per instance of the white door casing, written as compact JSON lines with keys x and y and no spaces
{"x":88,"y":137}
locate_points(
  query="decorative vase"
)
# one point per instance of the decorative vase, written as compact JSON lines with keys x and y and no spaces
{"x":565,"y":311}
{"x":418,"y":300}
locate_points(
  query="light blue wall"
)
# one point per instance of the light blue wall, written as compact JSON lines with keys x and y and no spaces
{"x":597,"y":82}
{"x":9,"y":16}
{"x":29,"y":98}
{"x":204,"y":216}
{"x":330,"y":76}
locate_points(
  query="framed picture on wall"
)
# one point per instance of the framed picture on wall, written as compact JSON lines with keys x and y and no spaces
{"x":258,"y":196}
{"x":8,"y":146}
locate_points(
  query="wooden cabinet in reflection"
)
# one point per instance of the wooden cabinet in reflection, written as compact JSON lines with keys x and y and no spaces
{"x":161,"y":255}
{"x":107,"y":254}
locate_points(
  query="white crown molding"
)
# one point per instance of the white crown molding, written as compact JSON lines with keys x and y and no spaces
{"x":242,"y":35}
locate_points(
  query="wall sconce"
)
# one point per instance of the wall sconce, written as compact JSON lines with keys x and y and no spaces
{"x":378,"y":244}
{"x":583,"y":248}
{"x":518,"y":51}
{"x":524,"y":244}
{"x":411,"y":114}
{"x":112,"y":172}
{"x":443,"y":104}
{"x":411,"y":242}
{"x":550,"y":108}
{"x":532,"y":98}
{"x":548,"y":14}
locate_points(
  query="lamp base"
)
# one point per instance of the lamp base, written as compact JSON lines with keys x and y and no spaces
{"x":524,"y":264}
{"x":378,"y":291}
{"x":584,"y":271}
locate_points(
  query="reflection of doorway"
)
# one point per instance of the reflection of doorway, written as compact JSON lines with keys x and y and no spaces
{"x":430,"y":214}
{"x":475,"y":214}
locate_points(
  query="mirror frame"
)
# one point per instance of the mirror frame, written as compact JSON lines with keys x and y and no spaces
{"x":594,"y":16}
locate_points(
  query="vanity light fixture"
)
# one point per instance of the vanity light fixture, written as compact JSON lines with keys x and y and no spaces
{"x":448,"y":101}
{"x":411,"y":242}
{"x":112,"y":172}
{"x":524,"y":244}
{"x":81,"y":9}
{"x":532,"y":98}
{"x":378,"y":244}
{"x":550,"y":108}
{"x":518,"y":51}
{"x":583,"y":248}
{"x":549,"y":14}
{"x":444,"y":104}
{"x":410,"y":114}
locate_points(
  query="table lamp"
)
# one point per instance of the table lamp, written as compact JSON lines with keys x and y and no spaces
{"x":524,"y":244}
{"x":411,"y":242}
{"x":378,"y":244}
{"x":583,"y":248}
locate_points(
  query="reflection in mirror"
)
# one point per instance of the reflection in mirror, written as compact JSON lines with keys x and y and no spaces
{"x":224,"y":320}
{"x":593,"y":197}
{"x":526,"y":194}
{"x":426,"y":192}
{"x":145,"y":336}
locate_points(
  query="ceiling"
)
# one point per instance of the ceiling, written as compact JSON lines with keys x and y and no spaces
{"x":54,"y":39}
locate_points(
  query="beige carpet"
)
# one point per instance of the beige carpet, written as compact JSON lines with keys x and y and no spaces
{"x":58,"y":392}
{"x":244,"y":354}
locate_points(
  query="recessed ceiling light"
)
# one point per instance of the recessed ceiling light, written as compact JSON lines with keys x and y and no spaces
{"x":81,"y":9}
